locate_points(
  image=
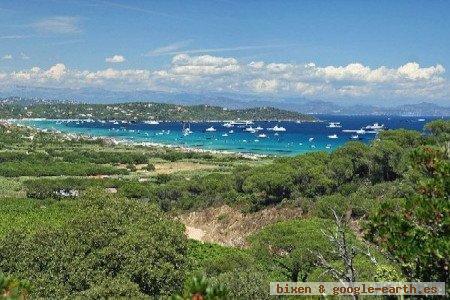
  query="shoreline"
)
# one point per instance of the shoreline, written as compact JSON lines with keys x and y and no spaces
{"x":185,"y":149}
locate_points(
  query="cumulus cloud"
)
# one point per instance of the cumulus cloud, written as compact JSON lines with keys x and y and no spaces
{"x":214,"y":73}
{"x":115,"y":59}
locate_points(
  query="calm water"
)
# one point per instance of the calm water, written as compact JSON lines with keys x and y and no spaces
{"x":298,"y":137}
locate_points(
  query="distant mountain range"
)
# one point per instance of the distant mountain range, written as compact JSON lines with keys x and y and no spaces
{"x":228,"y":100}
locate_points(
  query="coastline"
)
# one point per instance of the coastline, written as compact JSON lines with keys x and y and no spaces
{"x":114,"y":141}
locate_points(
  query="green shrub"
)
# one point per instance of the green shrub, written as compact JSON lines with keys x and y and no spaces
{"x":113,"y":240}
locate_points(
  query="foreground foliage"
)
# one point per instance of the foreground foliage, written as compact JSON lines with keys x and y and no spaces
{"x":117,"y":247}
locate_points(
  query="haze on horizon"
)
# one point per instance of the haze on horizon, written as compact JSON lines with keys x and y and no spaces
{"x":382,"y":53}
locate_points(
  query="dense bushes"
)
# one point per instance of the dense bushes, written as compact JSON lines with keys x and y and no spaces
{"x":114,"y":241}
{"x":57,"y":188}
{"x":14,"y":169}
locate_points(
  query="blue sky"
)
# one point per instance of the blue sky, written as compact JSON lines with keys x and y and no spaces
{"x":315,"y":49}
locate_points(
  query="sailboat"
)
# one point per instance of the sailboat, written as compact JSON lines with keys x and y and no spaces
{"x":187,"y":130}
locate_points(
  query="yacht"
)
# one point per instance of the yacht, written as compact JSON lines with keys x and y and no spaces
{"x":334,"y":125}
{"x":152,"y":122}
{"x":375,"y":126}
{"x":259,"y":128}
{"x":355,"y":137}
{"x":311,"y":139}
{"x":421,"y":120}
{"x":225,"y":134}
{"x":262,"y":135}
{"x":360,"y":131}
{"x":250,"y":129}
{"x":328,"y":146}
{"x":187,"y":130}
{"x":228,"y":125}
{"x":241,"y":122}
{"x":277,"y":128}
{"x":333,"y":136}
{"x":231,"y":131}
{"x":210,"y":129}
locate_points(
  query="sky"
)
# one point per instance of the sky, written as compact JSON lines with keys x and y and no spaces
{"x":360,"y":51}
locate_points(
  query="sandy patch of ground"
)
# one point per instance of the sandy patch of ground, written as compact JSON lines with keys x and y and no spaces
{"x":228,"y":226}
{"x":172,"y":167}
{"x":194,"y":233}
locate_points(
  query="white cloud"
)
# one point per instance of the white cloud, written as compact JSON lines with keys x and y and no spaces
{"x":261,"y":85}
{"x":56,"y":72}
{"x":58,"y":25}
{"x":7,"y":57}
{"x":13,"y":37}
{"x":115,"y":59}
{"x":176,"y":51}
{"x":214,"y":73}
{"x":165,"y":50}
{"x":24,"y":56}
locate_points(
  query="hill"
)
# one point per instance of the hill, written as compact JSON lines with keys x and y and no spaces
{"x":24,"y":108}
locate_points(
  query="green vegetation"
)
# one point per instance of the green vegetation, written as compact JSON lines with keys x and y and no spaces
{"x":140,"y":111}
{"x":115,"y":242}
{"x":84,"y":218}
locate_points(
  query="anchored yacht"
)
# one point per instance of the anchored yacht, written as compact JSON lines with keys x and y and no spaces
{"x":277,"y":128}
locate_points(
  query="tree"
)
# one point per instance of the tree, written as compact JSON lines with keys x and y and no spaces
{"x":286,"y":246}
{"x":387,"y":161}
{"x":113,"y":241}
{"x":415,"y":230}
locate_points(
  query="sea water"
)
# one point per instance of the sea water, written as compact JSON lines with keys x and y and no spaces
{"x":298,"y":137}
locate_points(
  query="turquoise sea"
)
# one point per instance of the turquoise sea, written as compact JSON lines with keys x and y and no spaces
{"x":298,"y":137}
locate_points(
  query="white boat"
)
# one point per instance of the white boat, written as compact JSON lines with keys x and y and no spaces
{"x":328,"y":146}
{"x":262,"y":135}
{"x":334,"y":125}
{"x":259,"y":128}
{"x":225,"y":134}
{"x":241,"y":122}
{"x":421,"y":120}
{"x":276,"y":133}
{"x":250,"y":129}
{"x":210,"y":129}
{"x":333,"y":136}
{"x":360,"y":131}
{"x":375,"y":126}
{"x":231,"y":131}
{"x":355,"y":137}
{"x":152,"y":122}
{"x":277,"y":128}
{"x":228,"y":125}
{"x":311,"y":139}
{"x":186,"y":131}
